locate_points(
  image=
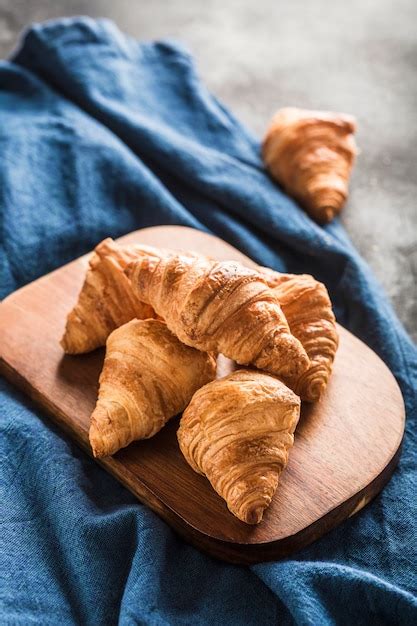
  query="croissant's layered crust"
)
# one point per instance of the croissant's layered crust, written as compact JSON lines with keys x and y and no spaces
{"x":148,"y":377}
{"x":220,"y":307}
{"x":106,"y":300}
{"x":237,"y":431}
{"x":311,"y":154}
{"x":308,"y":309}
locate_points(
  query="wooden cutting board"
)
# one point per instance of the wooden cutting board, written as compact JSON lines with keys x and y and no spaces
{"x":346,"y":446}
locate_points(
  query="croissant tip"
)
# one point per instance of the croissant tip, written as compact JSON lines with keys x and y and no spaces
{"x":326,"y":203}
{"x":327,"y":213}
{"x":94,"y":444}
{"x":98,"y":447}
{"x":99,"y":442}
{"x":254,"y":515}
{"x":314,"y":392}
{"x":67,"y":345}
{"x":96,"y":453}
{"x":105,"y":244}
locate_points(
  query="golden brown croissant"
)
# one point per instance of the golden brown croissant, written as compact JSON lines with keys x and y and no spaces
{"x":307,"y":307}
{"x":148,"y":377}
{"x":237,"y":432}
{"x":106,"y":300}
{"x":220,"y":307}
{"x":311,"y":154}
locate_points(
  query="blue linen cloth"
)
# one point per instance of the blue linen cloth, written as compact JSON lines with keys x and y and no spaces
{"x":101,"y":135}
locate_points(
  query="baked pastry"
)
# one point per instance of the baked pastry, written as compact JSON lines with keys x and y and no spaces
{"x":148,"y":377}
{"x":311,"y":154}
{"x":308,"y":309}
{"x":220,"y":307}
{"x":106,"y":300}
{"x":237,"y":431}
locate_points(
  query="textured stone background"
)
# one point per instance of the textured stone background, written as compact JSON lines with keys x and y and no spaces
{"x":358,"y":56}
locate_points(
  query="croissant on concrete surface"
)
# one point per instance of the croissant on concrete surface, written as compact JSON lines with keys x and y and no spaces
{"x":220,"y":307}
{"x":308,"y":309}
{"x":311,"y":154}
{"x":106,"y":300}
{"x":148,"y":377}
{"x":237,"y":431}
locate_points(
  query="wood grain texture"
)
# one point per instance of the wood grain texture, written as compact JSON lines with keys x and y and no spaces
{"x":346,"y":445}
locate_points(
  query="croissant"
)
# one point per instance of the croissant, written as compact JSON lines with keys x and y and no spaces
{"x":311,"y":154}
{"x":237,"y":431}
{"x":106,"y":300}
{"x":220,"y":307}
{"x":307,"y":307}
{"x":148,"y":377}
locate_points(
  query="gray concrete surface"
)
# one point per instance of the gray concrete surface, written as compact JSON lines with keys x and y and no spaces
{"x":358,"y":56}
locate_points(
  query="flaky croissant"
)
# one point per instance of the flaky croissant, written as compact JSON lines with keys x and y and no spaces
{"x":148,"y":377}
{"x":311,"y":154}
{"x":106,"y":300}
{"x":237,"y":431}
{"x":220,"y":307}
{"x":307,"y":307}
